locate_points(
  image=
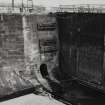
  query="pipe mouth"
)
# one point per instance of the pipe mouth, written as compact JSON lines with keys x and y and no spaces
{"x":44,"y":70}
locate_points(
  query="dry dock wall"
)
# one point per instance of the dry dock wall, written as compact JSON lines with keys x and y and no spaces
{"x":41,"y":45}
{"x":11,"y":54}
{"x":11,"y":42}
{"x":26,"y":42}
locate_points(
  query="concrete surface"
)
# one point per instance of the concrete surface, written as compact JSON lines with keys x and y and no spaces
{"x":32,"y":99}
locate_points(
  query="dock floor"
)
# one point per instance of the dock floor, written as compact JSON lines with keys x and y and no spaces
{"x":32,"y":99}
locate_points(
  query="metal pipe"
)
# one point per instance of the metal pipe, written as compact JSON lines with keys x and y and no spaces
{"x":12,"y":4}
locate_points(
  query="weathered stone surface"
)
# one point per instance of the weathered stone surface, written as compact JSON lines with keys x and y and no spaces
{"x":24,"y":47}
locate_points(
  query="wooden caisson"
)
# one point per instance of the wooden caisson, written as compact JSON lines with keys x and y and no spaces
{"x":82,"y":55}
